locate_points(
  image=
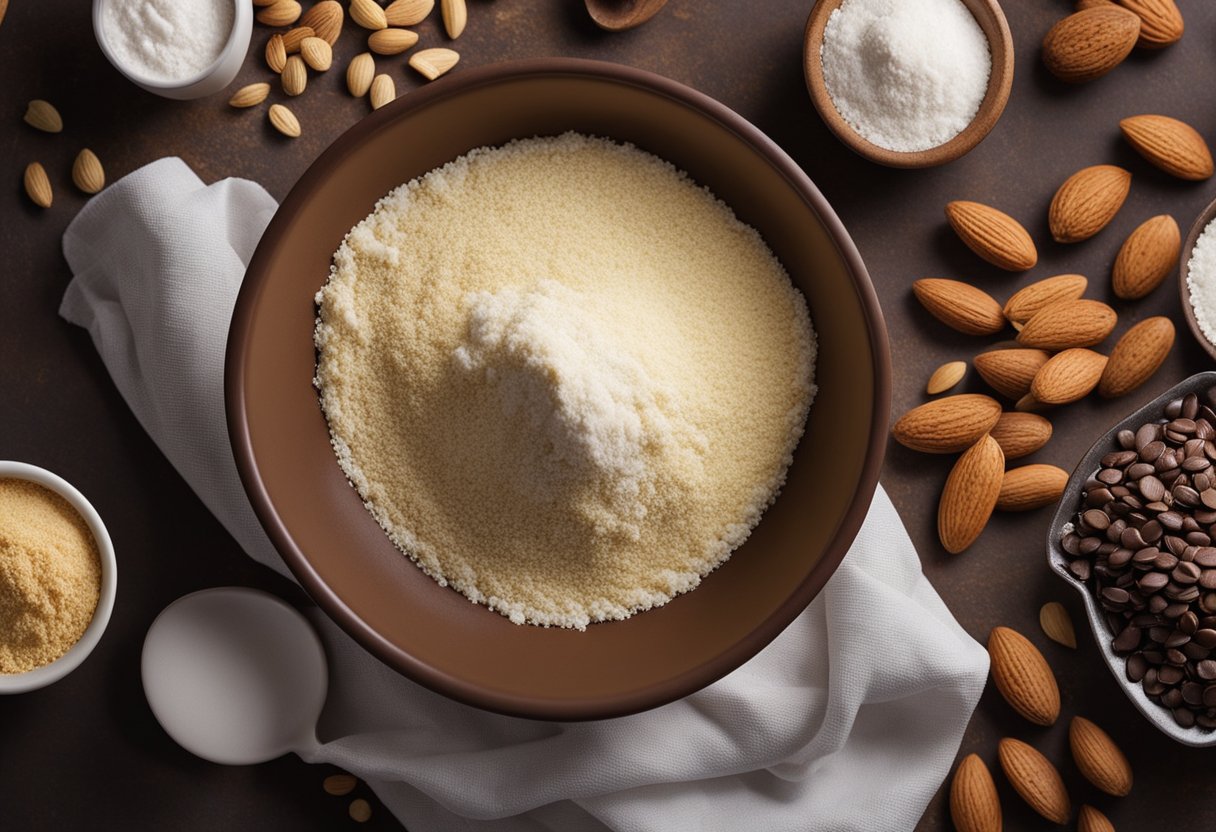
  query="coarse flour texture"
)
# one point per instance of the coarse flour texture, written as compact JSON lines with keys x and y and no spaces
{"x":172,"y":40}
{"x":565,"y":380}
{"x":1201,"y":281}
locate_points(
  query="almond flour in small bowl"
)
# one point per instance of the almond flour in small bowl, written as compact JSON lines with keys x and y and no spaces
{"x":565,"y":379}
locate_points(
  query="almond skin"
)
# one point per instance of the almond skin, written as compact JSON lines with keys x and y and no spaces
{"x":947,"y":425}
{"x":1090,"y":43}
{"x":1160,"y":22}
{"x":1068,"y":376}
{"x":359,"y":74}
{"x":368,"y":14}
{"x":294,"y":38}
{"x":1170,"y":144}
{"x":295,"y":76}
{"x":279,"y":13}
{"x":391,"y":41}
{"x":317,"y":54}
{"x":87,"y":173}
{"x":970,"y":495}
{"x":945,"y":377}
{"x":1028,"y":300}
{"x":42,"y":115}
{"x":1146,"y":257}
{"x":325,"y":19}
{"x":1035,"y":779}
{"x":974,"y":804}
{"x":1090,"y":819}
{"x":250,"y":95}
{"x":1021,"y":434}
{"x":455,"y":16}
{"x":1098,"y":758}
{"x":284,"y":120}
{"x":993,"y":235}
{"x":383,"y":91}
{"x":276,"y":54}
{"x":1136,"y":356}
{"x":1057,"y":625}
{"x":38,"y":187}
{"x":1072,"y":323}
{"x":1087,"y":201}
{"x":408,"y":12}
{"x":1030,"y":487}
{"x":960,"y":305}
{"x":1023,"y":676}
{"x":1010,"y":372}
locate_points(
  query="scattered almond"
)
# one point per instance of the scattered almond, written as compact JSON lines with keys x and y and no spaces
{"x":383,"y":91}
{"x":993,"y":235}
{"x":974,"y":804}
{"x":408,"y":12}
{"x":1030,"y":487}
{"x":1170,"y":144}
{"x":960,"y":305}
{"x":1088,"y":200}
{"x":360,"y":810}
{"x":432,"y":63}
{"x":1136,"y":356}
{"x":42,"y":115}
{"x":947,"y":425}
{"x":1023,"y":676}
{"x":1028,"y":300}
{"x":1090,"y":43}
{"x":1146,"y":257}
{"x":1057,"y":624}
{"x":279,"y":13}
{"x":455,"y":15}
{"x":87,"y":173}
{"x":1091,"y":820}
{"x":250,"y":95}
{"x":1160,"y":22}
{"x":945,"y":377}
{"x":970,"y":495}
{"x":368,"y":14}
{"x":339,"y":785}
{"x":1021,"y":434}
{"x":317,"y":54}
{"x":359,"y":74}
{"x":1098,"y":758}
{"x":1035,"y":779}
{"x":37,"y":185}
{"x":1067,"y":376}
{"x":284,"y":120}
{"x":391,"y":41}
{"x":1070,"y":323}
{"x":1010,"y":371}
{"x":276,"y":54}
{"x":295,"y":75}
{"x":294,"y":38}
{"x":325,"y":19}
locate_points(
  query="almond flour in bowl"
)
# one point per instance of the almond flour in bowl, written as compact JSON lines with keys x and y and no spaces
{"x":564,"y":379}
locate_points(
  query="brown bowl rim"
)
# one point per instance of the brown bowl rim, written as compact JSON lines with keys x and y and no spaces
{"x":672,"y":688}
{"x":1184,"y":270}
{"x":1000,"y":82}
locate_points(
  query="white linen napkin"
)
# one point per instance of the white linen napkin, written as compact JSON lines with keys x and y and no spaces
{"x":849,"y":720}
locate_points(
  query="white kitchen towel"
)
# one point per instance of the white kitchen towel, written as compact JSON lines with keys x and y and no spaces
{"x":849,"y":720}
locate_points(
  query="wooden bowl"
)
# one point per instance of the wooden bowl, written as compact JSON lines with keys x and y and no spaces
{"x":1000,"y":44}
{"x":433,"y":634}
{"x":1205,"y":217}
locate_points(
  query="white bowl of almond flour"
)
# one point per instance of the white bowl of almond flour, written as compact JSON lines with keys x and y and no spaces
{"x":58,"y":577}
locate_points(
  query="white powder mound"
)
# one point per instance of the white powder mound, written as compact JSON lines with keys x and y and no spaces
{"x":1201,"y":281}
{"x":907,"y":75}
{"x":168,"y":40}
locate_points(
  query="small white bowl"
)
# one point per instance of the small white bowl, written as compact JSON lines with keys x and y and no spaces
{"x":211,"y":80}
{"x":42,"y":676}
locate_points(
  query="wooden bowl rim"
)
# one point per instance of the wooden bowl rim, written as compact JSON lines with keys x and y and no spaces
{"x":1201,"y":222}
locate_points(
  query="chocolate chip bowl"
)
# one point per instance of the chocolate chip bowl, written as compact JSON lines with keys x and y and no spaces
{"x":1134,"y":533}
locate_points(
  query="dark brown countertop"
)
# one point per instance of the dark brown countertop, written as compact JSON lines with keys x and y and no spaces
{"x":86,"y":752}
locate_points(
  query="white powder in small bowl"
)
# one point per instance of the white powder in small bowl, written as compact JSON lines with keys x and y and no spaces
{"x":907,"y":75}
{"x":167,"y":40}
{"x":1201,"y":281}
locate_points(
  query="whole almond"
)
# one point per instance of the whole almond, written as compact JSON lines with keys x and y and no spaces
{"x":295,"y":75}
{"x":974,"y":805}
{"x":1146,"y":257}
{"x":325,"y":19}
{"x":947,"y":425}
{"x":1090,"y":819}
{"x":317,"y":54}
{"x":368,"y":14}
{"x":1035,"y":779}
{"x":1170,"y":144}
{"x":408,"y":12}
{"x":1136,"y":356}
{"x":339,"y":785}
{"x":359,"y":74}
{"x":42,"y":115}
{"x":432,"y":63}
{"x":391,"y":41}
{"x":284,"y":120}
{"x":383,"y":91}
{"x":1067,"y":376}
{"x":276,"y":54}
{"x":970,"y":495}
{"x":279,"y":13}
{"x":37,"y":185}
{"x":1070,"y":323}
{"x":455,"y":15}
{"x":1098,"y":758}
{"x":1021,"y":434}
{"x":1030,"y":487}
{"x":250,"y":95}
{"x":993,"y":235}
{"x":1160,"y":22}
{"x":1057,"y":625}
{"x":945,"y":377}
{"x":1023,"y":676}
{"x":1010,"y":371}
{"x":1088,"y":44}
{"x":1028,"y":300}
{"x":960,"y":305}
{"x":293,"y":39}
{"x":87,"y":173}
{"x":1087,"y":201}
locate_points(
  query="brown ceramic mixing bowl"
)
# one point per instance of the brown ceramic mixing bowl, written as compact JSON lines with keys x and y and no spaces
{"x":434,"y":635}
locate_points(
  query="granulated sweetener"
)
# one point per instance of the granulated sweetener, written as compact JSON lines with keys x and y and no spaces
{"x":1201,"y":281}
{"x":907,"y":75}
{"x":168,"y":40}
